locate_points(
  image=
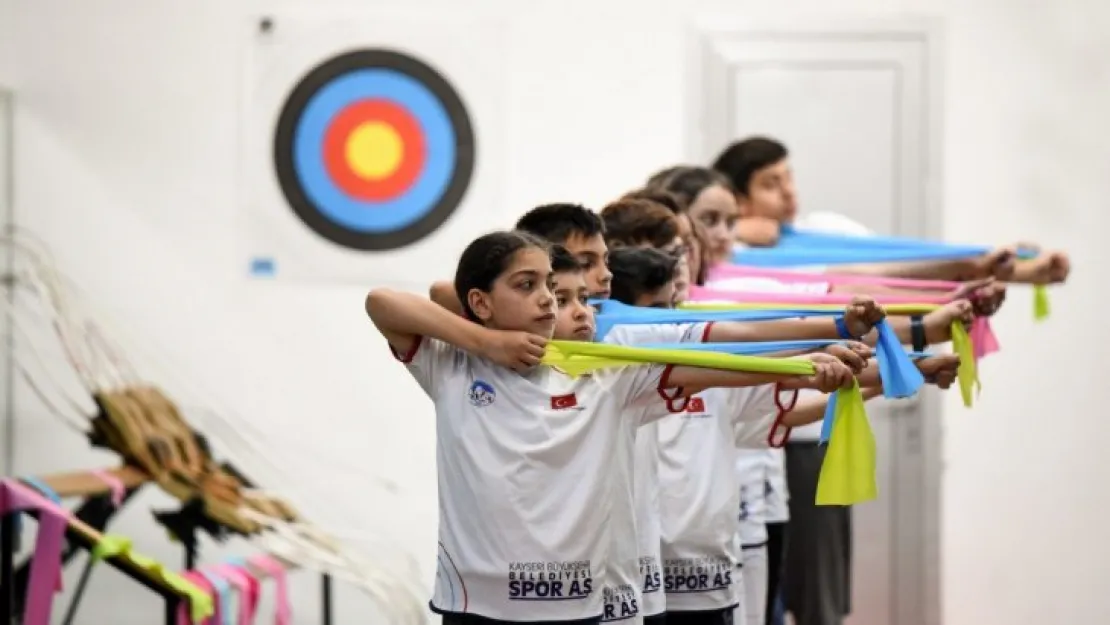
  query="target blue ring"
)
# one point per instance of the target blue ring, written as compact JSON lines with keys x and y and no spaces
{"x":429,"y":186}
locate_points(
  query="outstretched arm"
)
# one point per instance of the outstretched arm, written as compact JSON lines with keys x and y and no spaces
{"x":937,"y":324}
{"x":859,"y":318}
{"x":830,"y":373}
{"x":963,"y":269}
{"x":998,"y":263}
{"x":1048,"y":268}
{"x":939,"y":370}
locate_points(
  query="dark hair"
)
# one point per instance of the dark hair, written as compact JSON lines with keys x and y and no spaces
{"x":558,"y":222}
{"x":687,"y":183}
{"x":742,"y":159}
{"x":639,"y":270}
{"x":486,"y":258}
{"x":698,"y":238}
{"x":639,"y":222}
{"x":668,"y":200}
{"x":658,"y":178}
{"x":562,"y":261}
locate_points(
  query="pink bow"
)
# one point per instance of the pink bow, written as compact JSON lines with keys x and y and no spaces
{"x":183,"y":616}
{"x":46,"y":564}
{"x":273,"y":568}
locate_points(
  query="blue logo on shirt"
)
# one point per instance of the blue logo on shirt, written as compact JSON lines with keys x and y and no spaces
{"x":481,"y":394}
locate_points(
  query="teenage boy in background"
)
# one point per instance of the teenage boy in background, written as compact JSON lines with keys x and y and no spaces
{"x":817,"y":577}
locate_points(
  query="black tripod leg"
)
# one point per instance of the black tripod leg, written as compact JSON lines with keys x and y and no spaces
{"x":80,"y":591}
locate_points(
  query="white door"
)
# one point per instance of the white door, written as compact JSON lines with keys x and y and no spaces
{"x":853,"y":106}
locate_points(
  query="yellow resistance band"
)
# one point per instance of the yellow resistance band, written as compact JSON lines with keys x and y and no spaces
{"x":848,"y":473}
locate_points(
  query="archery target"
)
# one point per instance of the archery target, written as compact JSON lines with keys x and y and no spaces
{"x":359,"y":145}
{"x":373,"y":149}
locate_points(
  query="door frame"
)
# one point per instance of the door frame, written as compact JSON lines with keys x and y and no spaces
{"x":917,"y":514}
{"x":7,"y":280}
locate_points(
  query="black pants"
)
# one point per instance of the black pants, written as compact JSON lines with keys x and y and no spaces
{"x":708,"y":617}
{"x":473,"y":619}
{"x":818,"y":569}
{"x":776,"y":551}
{"x":656,"y":619}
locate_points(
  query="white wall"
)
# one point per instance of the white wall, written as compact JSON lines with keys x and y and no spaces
{"x":126,"y":165}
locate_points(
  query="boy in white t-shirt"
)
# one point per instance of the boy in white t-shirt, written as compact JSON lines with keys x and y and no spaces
{"x":818,"y":548}
{"x":633,"y":591}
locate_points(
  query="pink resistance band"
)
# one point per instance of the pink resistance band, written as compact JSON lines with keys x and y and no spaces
{"x":983,"y":340}
{"x":726,"y":270}
{"x":701,"y":294}
{"x":46,"y":564}
{"x":273,"y":568}
{"x":183,"y":613}
{"x":246,"y":584}
{"x":115,"y":485}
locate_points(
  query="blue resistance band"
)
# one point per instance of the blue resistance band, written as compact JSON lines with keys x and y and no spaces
{"x":799,"y":248}
{"x":613,"y":313}
{"x":42,"y":488}
{"x":900,"y":377}
{"x":795,"y":238}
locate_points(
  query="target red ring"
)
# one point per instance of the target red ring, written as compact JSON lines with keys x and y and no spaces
{"x":383,"y":113}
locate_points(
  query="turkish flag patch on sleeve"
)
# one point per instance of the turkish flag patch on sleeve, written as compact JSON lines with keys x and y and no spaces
{"x":562,"y":402}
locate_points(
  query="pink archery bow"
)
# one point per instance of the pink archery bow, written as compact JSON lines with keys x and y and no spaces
{"x":46,"y":565}
{"x":200,"y":581}
{"x":275,"y":569}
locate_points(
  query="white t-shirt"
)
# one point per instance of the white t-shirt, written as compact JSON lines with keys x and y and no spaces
{"x":524,"y":520}
{"x":751,"y":474}
{"x":776,"y":495}
{"x":831,"y":223}
{"x":774,"y":477}
{"x":700,"y":496}
{"x":753,"y":437}
{"x":645,"y":473}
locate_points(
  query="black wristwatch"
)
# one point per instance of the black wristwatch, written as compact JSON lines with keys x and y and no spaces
{"x":917,"y":333}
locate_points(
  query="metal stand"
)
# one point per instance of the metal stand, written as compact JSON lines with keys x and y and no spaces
{"x":186,"y":523}
{"x":8,"y":611}
{"x":96,"y":512}
{"x":325,"y":598}
{"x":71,"y":611}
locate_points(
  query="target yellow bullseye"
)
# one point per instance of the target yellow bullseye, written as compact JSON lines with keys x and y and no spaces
{"x":374,"y":150}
